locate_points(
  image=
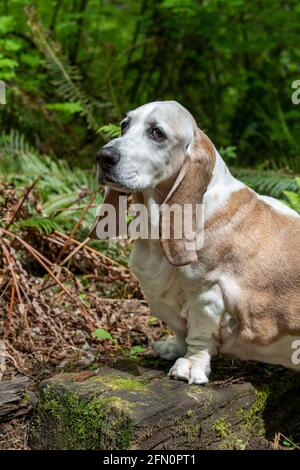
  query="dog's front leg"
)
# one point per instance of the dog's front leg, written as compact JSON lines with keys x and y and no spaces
{"x":174,"y":346}
{"x":203,"y":321}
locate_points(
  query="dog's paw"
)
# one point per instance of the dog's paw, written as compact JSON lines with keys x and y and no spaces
{"x":171,"y":348}
{"x":189,"y":370}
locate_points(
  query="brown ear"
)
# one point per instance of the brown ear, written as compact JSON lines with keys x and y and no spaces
{"x":111,"y":198}
{"x":188,"y":189}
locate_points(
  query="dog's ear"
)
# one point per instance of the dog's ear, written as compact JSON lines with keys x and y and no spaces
{"x":187,"y":192}
{"x":111,"y":200}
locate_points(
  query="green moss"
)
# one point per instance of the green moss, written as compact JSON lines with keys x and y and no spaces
{"x":25,"y":399}
{"x":70,"y":422}
{"x":221,"y":427}
{"x":131,"y":384}
{"x":253,"y":418}
{"x":196,"y":389}
{"x":230,"y":440}
{"x":188,"y":425}
{"x":122,"y":383}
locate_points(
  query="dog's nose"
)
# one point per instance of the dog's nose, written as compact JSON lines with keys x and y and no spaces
{"x":108,"y":156}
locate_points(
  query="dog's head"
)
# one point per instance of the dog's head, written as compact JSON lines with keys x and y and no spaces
{"x":155,"y":139}
{"x":160,"y":143}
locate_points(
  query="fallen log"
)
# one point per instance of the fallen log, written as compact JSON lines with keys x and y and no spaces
{"x":15,"y":398}
{"x":117,"y":410}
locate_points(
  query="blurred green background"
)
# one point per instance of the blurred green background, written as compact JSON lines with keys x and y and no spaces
{"x":72,"y":66}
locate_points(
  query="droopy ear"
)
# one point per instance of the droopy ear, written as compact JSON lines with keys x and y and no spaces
{"x":111,"y":198}
{"x":188,"y":190}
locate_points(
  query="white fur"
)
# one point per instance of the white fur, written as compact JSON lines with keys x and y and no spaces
{"x":222,"y":185}
{"x":278,"y":206}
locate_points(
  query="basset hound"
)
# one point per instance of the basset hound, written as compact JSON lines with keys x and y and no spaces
{"x":239,"y":293}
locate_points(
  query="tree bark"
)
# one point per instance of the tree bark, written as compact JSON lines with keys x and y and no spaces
{"x":15,"y":398}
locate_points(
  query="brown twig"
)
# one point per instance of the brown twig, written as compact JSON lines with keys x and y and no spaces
{"x":97,"y":253}
{"x":10,"y":311}
{"x":78,"y":248}
{"x":15,"y":288}
{"x":40,"y":258}
{"x":21,"y":202}
{"x":74,"y":230}
{"x":10,"y":266}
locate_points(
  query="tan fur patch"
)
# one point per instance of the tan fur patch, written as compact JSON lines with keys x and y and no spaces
{"x":260,"y":248}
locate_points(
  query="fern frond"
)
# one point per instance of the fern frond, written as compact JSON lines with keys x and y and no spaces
{"x":266,"y":182}
{"x":110,"y":130}
{"x":40,"y":224}
{"x":21,"y":164}
{"x":65,"y":77}
{"x":56,"y":203}
{"x":14,"y":143}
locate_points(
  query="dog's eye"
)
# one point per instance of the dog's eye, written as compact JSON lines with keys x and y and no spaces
{"x":158,"y":134}
{"x":124,"y":126}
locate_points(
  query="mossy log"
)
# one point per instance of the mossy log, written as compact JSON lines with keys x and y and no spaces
{"x":114,"y":409}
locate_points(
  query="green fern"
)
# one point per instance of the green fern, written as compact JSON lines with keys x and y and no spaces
{"x":110,"y":130}
{"x":22,"y":164}
{"x":59,"y":190}
{"x":14,"y":143}
{"x":65,"y":77}
{"x":266,"y":182}
{"x":40,"y":224}
{"x":68,"y":109}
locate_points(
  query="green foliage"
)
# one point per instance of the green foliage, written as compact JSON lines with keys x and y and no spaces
{"x":71,"y":67}
{"x":67,"y":108}
{"x":266,"y":182}
{"x":136,"y":350}
{"x":65,"y":77}
{"x":293,"y":197}
{"x":101,"y":333}
{"x":61,"y":193}
{"x":41,"y":224}
{"x":110,"y":130}
{"x":228,"y":153}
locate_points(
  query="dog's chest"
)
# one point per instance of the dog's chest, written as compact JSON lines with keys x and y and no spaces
{"x":162,"y":282}
{"x":158,"y":278}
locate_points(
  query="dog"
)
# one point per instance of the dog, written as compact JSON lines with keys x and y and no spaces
{"x":239,"y":294}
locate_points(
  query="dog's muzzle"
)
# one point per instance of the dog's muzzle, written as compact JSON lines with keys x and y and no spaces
{"x":107,"y":158}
